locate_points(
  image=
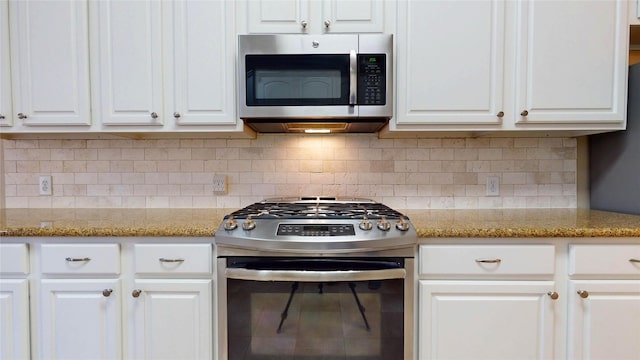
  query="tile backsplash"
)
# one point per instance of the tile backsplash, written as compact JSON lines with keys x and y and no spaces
{"x":438,"y":173}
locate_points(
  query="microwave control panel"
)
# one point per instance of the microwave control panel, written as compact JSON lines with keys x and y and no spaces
{"x":372,"y":79}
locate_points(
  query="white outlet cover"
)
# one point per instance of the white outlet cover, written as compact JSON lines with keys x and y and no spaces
{"x":44,"y":185}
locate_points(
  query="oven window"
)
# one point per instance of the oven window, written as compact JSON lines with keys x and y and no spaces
{"x":297,"y":80}
{"x":319,"y":321}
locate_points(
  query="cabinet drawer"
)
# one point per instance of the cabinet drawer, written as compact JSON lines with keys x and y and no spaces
{"x":173,"y":258}
{"x":81,"y":259}
{"x":487,"y":260}
{"x":604,"y":260}
{"x":14,"y":259}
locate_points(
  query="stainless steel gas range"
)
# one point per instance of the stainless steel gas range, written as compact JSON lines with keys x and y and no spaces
{"x":283,"y":262}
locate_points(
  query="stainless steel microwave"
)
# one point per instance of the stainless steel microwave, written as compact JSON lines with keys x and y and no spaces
{"x":291,"y":83}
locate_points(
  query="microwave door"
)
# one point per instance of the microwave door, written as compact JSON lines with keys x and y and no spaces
{"x":294,"y":85}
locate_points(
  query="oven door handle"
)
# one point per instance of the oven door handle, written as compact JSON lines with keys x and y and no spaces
{"x":314,"y":276}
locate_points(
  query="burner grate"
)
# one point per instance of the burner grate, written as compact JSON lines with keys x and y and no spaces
{"x":316,"y":210}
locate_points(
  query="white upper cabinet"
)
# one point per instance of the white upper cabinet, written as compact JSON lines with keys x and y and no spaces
{"x":504,"y":65}
{"x":160,"y":65}
{"x":6,"y":111}
{"x":127,"y":51}
{"x":449,"y":73}
{"x":49,"y":49}
{"x":199,"y":46}
{"x":315,"y":16}
{"x":567,"y":72}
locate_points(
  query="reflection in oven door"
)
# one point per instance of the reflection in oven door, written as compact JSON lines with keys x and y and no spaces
{"x":315,"y":320}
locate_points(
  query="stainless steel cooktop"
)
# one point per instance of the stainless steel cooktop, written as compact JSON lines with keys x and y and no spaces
{"x":316,"y":225}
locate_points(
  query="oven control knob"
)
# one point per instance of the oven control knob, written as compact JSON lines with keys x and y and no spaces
{"x":365,"y":225}
{"x":230,"y":224}
{"x":402,"y":224}
{"x":383,"y":224}
{"x":249,"y":224}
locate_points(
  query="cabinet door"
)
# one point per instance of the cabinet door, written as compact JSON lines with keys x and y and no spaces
{"x":79,"y":319}
{"x":14,"y":317}
{"x":6,"y":111}
{"x":50,"y":62}
{"x":200,"y":54}
{"x":450,"y":73}
{"x":567,"y":72}
{"x":170,"y":319}
{"x":279,"y":16}
{"x":353,"y":16}
{"x":486,"y":320}
{"x":127,"y":78}
{"x":603,"y":320}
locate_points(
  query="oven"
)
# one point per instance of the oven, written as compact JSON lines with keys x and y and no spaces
{"x":312,"y":278}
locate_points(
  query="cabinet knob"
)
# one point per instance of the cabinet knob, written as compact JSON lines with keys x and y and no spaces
{"x":1,"y":117}
{"x":107,"y":292}
{"x":327,"y":23}
{"x":524,"y":113}
{"x":176,"y":115}
{"x":583,"y":294}
{"x":304,"y":24}
{"x":500,"y":114}
{"x":136,"y":293}
{"x":154,"y":115}
{"x":630,"y":260}
{"x":170,"y":260}
{"x":22,"y":116}
{"x":553,"y":295}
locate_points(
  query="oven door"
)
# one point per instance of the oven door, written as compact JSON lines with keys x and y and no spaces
{"x":296,"y":308}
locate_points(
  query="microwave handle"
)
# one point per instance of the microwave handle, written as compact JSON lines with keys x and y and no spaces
{"x":353,"y":77}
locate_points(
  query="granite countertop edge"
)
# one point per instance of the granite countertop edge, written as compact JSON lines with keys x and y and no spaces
{"x":502,"y":223}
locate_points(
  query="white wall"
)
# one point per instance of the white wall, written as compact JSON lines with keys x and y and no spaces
{"x":403,"y":173}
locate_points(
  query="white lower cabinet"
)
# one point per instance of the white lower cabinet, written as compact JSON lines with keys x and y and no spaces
{"x":487,"y":302}
{"x":486,"y":319}
{"x":14,"y":319}
{"x":604,"y":319}
{"x":170,"y":319}
{"x":604,"y":301}
{"x":80,"y":319}
{"x":169,"y":314}
{"x":79,"y":311}
{"x":14,"y":301}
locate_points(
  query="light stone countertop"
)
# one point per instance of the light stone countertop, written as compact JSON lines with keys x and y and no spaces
{"x":429,"y":223}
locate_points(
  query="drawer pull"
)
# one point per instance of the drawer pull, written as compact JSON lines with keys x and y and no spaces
{"x":136,"y":293}
{"x":170,"y":260}
{"x":77,"y":259}
{"x":489,"y":261}
{"x":107,"y":292}
{"x":583,"y":294}
{"x":553,"y":295}
{"x":634,"y":260}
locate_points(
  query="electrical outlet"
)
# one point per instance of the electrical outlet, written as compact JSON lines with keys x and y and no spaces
{"x":219,"y":183}
{"x":45,"y":185}
{"x":493,"y":186}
